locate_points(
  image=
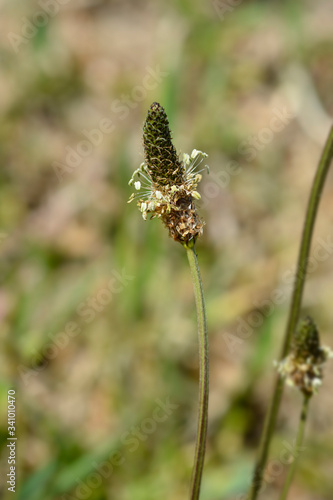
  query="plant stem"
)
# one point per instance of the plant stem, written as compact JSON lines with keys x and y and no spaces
{"x":204,"y":375}
{"x":299,"y":440}
{"x":294,"y":310}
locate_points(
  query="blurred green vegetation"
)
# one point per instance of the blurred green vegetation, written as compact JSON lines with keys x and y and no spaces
{"x":98,"y":319}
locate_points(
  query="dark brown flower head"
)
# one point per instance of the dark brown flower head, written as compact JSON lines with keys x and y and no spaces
{"x":167,"y":185}
{"x":161,"y":156}
{"x":303,"y":367}
{"x":306,"y":340}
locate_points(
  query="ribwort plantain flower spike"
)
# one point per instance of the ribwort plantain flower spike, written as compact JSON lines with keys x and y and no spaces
{"x":303,"y":367}
{"x":166,"y":186}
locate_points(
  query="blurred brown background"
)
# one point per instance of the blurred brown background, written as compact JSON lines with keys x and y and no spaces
{"x":98,"y":332}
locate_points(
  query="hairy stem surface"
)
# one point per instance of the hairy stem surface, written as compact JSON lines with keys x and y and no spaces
{"x":294,"y":311}
{"x":204,"y":375}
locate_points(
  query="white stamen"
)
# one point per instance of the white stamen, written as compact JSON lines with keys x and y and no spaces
{"x":316,"y":383}
{"x":137,"y":185}
{"x":186,"y":158}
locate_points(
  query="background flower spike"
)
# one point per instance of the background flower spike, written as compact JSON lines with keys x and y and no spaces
{"x":303,"y":367}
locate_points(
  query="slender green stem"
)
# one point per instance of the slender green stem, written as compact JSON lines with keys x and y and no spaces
{"x":299,"y":441}
{"x":294,"y":311}
{"x":204,"y":375}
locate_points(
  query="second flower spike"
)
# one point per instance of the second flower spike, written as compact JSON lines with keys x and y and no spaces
{"x":303,"y":367}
